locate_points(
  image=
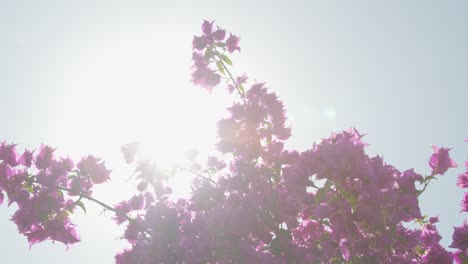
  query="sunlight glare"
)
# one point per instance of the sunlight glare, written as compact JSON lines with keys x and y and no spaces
{"x":137,"y":89}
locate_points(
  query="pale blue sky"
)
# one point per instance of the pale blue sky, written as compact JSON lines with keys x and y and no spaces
{"x":78,"y":74}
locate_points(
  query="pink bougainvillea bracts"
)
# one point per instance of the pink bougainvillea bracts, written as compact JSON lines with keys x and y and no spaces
{"x":42,"y":186}
{"x":253,"y":201}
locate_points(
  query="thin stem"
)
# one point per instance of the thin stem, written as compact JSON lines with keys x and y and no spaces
{"x":426,"y":182}
{"x":197,"y":174}
{"x":108,"y":207}
{"x":241,"y":93}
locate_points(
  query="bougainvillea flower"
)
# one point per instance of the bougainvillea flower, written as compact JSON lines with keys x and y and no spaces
{"x":26,"y":158}
{"x":460,"y":237}
{"x":440,"y":160}
{"x":94,"y":168}
{"x":207,"y":27}
{"x":464,"y":205}
{"x":232,"y":43}
{"x":198,"y":59}
{"x":8,"y":154}
{"x":137,"y":202}
{"x":199,"y":43}
{"x":437,"y":255}
{"x":433,"y":219}
{"x":219,"y":34}
{"x":129,"y":151}
{"x":462,"y":181}
{"x":44,"y":157}
{"x":206,"y":78}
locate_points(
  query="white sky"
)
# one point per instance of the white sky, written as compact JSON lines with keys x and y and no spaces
{"x":88,"y":77}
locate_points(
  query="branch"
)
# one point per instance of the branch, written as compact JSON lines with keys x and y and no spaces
{"x":241,"y":93}
{"x":198,"y":174}
{"x":106,"y":206}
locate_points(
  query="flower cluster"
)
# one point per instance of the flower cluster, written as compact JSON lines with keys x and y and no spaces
{"x":460,"y":234}
{"x":254,"y":201}
{"x":210,"y":48}
{"x":43,"y":186}
{"x":264,"y":204}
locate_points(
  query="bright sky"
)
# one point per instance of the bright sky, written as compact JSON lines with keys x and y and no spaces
{"x":88,"y":77}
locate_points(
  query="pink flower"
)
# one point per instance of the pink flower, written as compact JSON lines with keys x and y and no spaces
{"x":430,"y":236}
{"x":66,"y":233}
{"x":94,"y":168}
{"x":440,"y":161}
{"x":8,"y":154}
{"x":207,"y":27}
{"x":344,"y":248}
{"x":138,"y":202}
{"x":464,"y":204}
{"x":437,"y":255}
{"x":219,"y":34}
{"x":199,"y":43}
{"x":434,"y":219}
{"x":5,"y":171}
{"x":232,"y":43}
{"x":198,"y":59}
{"x":80,"y":185}
{"x":463,"y":180}
{"x":129,"y":151}
{"x":242,"y":79}
{"x":26,"y":158}
{"x":459,"y":257}
{"x":206,"y":78}
{"x":44,"y":157}
{"x":122,"y":209}
{"x":460,"y":237}
{"x":323,"y":210}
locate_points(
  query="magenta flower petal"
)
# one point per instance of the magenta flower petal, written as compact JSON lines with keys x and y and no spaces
{"x":460,"y":237}
{"x":129,"y":151}
{"x":199,"y":43}
{"x":94,"y":168}
{"x":462,"y":181}
{"x":219,"y":34}
{"x":434,"y":219}
{"x":440,"y":160}
{"x":44,"y":157}
{"x":26,"y":158}
{"x":207,"y":27}
{"x":464,"y":204}
{"x":232,"y":43}
{"x":8,"y":154}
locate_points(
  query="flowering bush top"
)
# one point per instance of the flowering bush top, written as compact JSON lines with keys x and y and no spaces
{"x":253,"y":201}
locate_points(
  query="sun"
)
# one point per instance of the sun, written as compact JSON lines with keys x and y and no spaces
{"x":136,"y":89}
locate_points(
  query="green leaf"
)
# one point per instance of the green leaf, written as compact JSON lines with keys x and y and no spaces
{"x":321,"y":193}
{"x":220,"y":66}
{"x":352,"y":200}
{"x":208,"y":54}
{"x":419,"y":250}
{"x":81,"y":204}
{"x":241,"y":87}
{"x":226,"y":59}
